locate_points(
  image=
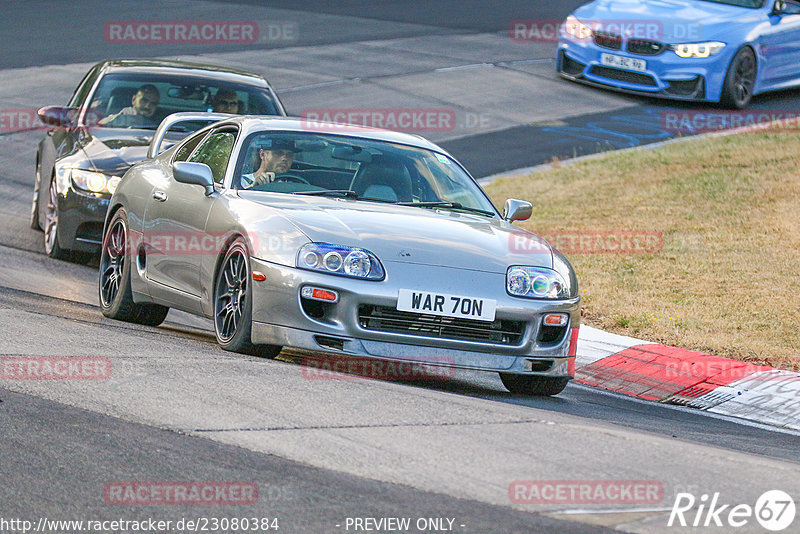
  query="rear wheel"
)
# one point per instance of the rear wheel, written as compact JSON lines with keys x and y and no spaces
{"x":740,"y":81}
{"x":233,"y":304}
{"x":542,"y":386}
{"x":116,"y":297}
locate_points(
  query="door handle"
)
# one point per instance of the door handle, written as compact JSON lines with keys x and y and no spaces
{"x":160,"y":196}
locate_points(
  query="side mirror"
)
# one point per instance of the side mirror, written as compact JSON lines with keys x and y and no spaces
{"x":194,"y":173}
{"x":517,"y":210}
{"x":58,"y":116}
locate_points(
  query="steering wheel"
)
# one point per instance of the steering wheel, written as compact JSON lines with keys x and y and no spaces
{"x":291,"y":178}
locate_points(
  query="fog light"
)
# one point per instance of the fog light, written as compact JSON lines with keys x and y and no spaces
{"x":555,"y":319}
{"x":317,"y":293}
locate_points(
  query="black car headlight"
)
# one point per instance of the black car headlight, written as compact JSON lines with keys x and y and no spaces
{"x":536,"y":283}
{"x":340,"y":260}
{"x":94,"y":182}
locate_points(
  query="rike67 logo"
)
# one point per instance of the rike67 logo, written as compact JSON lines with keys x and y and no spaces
{"x":774,"y":510}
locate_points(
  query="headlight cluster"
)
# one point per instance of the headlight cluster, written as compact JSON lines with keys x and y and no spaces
{"x":698,"y":50}
{"x":572,"y":26}
{"x":341,"y":260}
{"x":536,"y":283}
{"x":95,"y":182}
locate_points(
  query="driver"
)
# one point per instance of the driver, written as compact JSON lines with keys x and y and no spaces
{"x":276,"y":156}
{"x":141,"y":112}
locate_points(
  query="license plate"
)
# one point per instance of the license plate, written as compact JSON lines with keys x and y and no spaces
{"x":623,"y":62}
{"x":458,"y":306}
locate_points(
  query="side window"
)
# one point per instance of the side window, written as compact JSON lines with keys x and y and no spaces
{"x":83,"y":89}
{"x":215,"y":152}
{"x":186,"y":150}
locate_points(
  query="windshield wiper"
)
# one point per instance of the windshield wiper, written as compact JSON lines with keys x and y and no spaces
{"x":451,"y":205}
{"x":347,"y":193}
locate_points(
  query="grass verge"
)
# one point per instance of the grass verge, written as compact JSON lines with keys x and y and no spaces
{"x":727,"y":280}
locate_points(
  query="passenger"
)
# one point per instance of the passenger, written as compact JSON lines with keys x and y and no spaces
{"x":141,"y":112}
{"x":225,"y":101}
{"x":276,"y":157}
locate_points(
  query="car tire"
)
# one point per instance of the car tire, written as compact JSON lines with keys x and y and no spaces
{"x":51,"y":245}
{"x":233,"y":304}
{"x":540,"y":386}
{"x":740,"y":80}
{"x":36,"y":192}
{"x":114,"y":282}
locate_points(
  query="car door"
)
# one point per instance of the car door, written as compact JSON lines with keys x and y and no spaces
{"x":780,"y":45}
{"x":175,"y":223}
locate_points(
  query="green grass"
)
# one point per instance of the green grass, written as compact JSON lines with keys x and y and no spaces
{"x":728,"y":278}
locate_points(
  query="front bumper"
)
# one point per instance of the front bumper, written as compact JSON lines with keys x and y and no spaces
{"x":80,"y":220}
{"x":282,"y":317}
{"x":667,"y":75}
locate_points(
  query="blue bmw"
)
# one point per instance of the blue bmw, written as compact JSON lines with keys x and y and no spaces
{"x":705,"y":50}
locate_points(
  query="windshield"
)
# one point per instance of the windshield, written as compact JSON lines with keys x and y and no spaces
{"x":144,"y":100}
{"x":368,"y":170}
{"x":755,"y":4}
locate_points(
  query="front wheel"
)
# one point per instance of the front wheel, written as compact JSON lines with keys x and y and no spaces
{"x":740,"y":81}
{"x":116,"y":297}
{"x":233,"y":304}
{"x":540,"y":386}
{"x":35,"y":204}
{"x":51,"y":245}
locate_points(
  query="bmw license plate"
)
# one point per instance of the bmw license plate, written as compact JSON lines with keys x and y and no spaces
{"x":445,"y":305}
{"x":622,"y":62}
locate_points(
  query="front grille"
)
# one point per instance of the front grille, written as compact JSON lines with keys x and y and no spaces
{"x":612,"y":41}
{"x":645,"y":48}
{"x":623,"y":75}
{"x":385,"y":319}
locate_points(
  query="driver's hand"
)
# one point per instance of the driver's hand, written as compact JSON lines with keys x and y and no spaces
{"x":263,"y":178}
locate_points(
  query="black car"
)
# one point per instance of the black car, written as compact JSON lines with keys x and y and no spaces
{"x":107,"y":127}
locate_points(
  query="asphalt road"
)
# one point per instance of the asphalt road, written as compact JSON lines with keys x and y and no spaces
{"x":176,"y":408}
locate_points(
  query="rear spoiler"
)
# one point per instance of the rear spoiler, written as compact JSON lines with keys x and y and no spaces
{"x":176,"y":118}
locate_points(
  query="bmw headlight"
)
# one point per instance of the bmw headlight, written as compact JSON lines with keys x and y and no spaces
{"x":95,"y":182}
{"x":577,"y":29}
{"x":536,"y":283}
{"x":339,"y":259}
{"x":698,"y":50}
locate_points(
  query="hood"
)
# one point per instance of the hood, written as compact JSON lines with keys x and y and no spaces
{"x":669,"y":21}
{"x":402,"y":234}
{"x":113,"y":151}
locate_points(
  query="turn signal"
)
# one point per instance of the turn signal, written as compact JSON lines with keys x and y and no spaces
{"x":317,"y":293}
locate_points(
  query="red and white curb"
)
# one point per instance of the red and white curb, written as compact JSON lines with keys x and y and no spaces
{"x":678,"y":376}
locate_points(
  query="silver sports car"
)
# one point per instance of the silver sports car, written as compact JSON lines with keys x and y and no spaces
{"x":344,"y":240}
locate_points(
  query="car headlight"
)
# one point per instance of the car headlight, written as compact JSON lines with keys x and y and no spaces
{"x":341,"y":260}
{"x":536,"y":283}
{"x":95,"y":182}
{"x":698,"y":50}
{"x":577,"y":29}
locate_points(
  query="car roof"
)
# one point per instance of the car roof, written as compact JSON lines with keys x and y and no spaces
{"x":252,"y":123}
{"x":181,"y":68}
